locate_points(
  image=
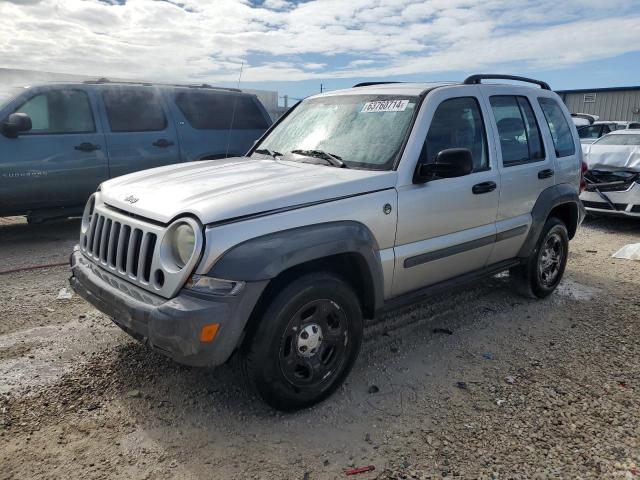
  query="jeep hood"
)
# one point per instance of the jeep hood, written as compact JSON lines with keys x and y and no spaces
{"x":217,"y":190}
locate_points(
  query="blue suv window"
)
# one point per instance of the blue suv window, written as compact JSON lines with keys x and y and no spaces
{"x":59,"y":111}
{"x":133,"y":110}
{"x":211,"y":111}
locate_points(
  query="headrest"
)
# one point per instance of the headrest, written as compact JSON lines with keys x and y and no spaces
{"x":511,"y":127}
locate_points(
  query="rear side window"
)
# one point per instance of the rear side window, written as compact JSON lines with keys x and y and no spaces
{"x":457,"y":123}
{"x":59,"y":111}
{"x":591,"y":131}
{"x":560,"y":130}
{"x":211,"y":111}
{"x":134,"y":110}
{"x":520,"y":139}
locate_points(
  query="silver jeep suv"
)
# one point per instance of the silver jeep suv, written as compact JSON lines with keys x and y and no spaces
{"x":356,"y":202}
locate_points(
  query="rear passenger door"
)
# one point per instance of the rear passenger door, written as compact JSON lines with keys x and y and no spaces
{"x":139,"y":131}
{"x":526,"y":166}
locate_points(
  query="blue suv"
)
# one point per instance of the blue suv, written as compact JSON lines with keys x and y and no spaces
{"x":60,"y":141}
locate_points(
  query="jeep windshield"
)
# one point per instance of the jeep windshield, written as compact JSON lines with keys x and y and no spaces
{"x":363,"y":131}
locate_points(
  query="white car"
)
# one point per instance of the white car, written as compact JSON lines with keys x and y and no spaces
{"x":583,"y":119}
{"x":613,"y":177}
{"x":590,"y":133}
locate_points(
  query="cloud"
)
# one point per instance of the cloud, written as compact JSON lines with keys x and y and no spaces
{"x":278,"y":40}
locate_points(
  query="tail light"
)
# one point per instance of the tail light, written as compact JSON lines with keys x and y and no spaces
{"x":583,"y":171}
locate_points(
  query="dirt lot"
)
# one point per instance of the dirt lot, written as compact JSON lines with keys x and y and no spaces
{"x":519,"y":389}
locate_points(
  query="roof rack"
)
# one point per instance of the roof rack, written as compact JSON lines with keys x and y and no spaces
{"x":476,"y":79}
{"x":103,"y":80}
{"x":369,"y":84}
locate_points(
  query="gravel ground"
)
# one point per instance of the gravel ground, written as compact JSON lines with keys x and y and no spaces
{"x":517,"y":389}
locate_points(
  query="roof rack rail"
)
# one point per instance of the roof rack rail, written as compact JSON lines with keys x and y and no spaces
{"x":103,"y":80}
{"x":476,"y":79}
{"x":369,"y":84}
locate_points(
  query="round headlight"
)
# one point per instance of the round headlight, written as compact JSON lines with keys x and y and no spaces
{"x":88,"y":212}
{"x":184,"y":241}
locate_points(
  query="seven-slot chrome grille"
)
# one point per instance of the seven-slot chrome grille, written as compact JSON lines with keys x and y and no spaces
{"x":125,"y":248}
{"x":136,"y":249}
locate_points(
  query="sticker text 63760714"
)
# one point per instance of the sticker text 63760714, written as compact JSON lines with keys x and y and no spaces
{"x":385,"y":106}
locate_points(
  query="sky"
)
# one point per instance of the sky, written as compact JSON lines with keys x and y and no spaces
{"x":294,"y":47}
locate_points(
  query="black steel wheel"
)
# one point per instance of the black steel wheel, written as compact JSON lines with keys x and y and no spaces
{"x":313,"y":344}
{"x":306,"y":342}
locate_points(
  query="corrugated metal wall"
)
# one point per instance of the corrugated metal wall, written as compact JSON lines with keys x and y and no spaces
{"x":618,"y":105}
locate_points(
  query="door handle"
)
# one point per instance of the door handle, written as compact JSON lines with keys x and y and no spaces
{"x":87,"y":147}
{"x":484,"y":187}
{"x":546,"y":173}
{"x":162,"y":143}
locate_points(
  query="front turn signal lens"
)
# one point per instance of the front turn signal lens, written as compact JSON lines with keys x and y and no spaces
{"x":209,"y":332}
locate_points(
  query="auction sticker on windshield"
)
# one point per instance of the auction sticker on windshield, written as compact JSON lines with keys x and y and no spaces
{"x":385,"y":106}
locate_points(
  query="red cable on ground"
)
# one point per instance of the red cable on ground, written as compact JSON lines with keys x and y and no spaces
{"x":33,"y":267}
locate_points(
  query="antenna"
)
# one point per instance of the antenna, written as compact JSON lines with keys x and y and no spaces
{"x":233,"y":112}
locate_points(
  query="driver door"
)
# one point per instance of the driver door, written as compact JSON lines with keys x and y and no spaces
{"x":61,"y":161}
{"x":446,"y":227}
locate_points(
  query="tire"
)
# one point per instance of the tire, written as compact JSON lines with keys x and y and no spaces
{"x":541,"y":273}
{"x":305,"y":343}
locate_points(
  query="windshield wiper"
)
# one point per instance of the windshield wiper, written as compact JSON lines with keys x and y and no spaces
{"x":333,"y":160}
{"x":266,"y":151}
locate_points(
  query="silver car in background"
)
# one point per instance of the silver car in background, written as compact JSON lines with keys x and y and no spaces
{"x":590,"y":133}
{"x":613,"y":176}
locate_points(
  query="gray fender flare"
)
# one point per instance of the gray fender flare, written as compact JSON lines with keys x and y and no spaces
{"x":265,"y":257}
{"x":549,"y":199}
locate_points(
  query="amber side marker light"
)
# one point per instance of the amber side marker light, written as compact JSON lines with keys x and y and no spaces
{"x":209,"y":332}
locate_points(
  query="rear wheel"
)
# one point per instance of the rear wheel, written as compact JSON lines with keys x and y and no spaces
{"x":539,"y":276}
{"x":306,"y":342}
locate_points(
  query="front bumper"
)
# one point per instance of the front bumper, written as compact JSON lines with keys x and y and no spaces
{"x":170,"y":326}
{"x":624,"y":203}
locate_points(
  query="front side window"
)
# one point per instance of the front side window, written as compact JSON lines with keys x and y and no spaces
{"x":520,"y":139}
{"x":364,"y":131}
{"x":634,"y":126}
{"x":560,"y":130}
{"x":622,"y":139}
{"x":219,"y":111}
{"x":58,"y":112}
{"x":134,"y":110}
{"x":457,"y":123}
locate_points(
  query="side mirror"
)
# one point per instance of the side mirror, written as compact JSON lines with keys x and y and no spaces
{"x":450,"y":163}
{"x":15,"y":124}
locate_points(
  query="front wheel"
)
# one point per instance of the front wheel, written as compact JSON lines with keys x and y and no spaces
{"x":541,"y":273}
{"x":306,"y":342}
